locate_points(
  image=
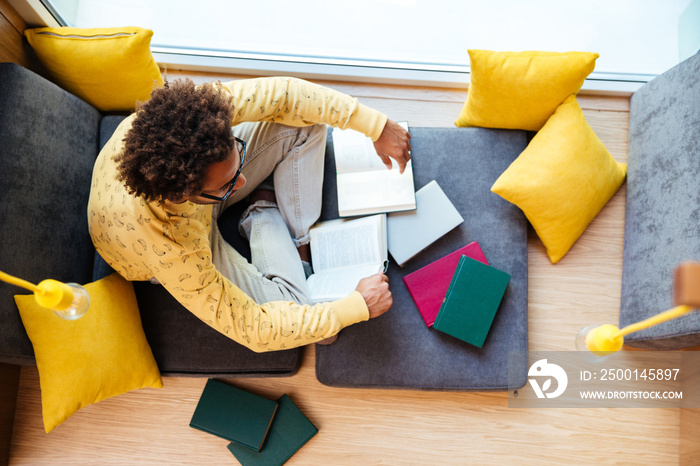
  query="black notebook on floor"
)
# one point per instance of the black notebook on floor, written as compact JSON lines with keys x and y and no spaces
{"x":234,"y":414}
{"x":290,"y":430}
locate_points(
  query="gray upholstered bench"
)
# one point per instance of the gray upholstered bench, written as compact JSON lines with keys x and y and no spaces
{"x":49,"y":140}
{"x":662,"y":215}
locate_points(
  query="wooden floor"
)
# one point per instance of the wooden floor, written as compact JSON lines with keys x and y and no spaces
{"x":358,"y":427}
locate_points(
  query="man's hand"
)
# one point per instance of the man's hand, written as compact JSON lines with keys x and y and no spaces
{"x":375,"y":290}
{"x":394,"y":143}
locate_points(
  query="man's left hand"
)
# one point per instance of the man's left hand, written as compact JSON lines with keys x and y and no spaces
{"x":394,"y":143}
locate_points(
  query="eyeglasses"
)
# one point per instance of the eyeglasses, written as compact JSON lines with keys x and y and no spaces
{"x":231,"y":184}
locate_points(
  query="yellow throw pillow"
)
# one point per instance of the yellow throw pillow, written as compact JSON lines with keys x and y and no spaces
{"x":562,"y":179}
{"x":521,"y":90}
{"x":110,"y":68}
{"x":100,"y":355}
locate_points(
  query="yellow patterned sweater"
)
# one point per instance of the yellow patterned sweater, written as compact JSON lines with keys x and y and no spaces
{"x":170,"y":242}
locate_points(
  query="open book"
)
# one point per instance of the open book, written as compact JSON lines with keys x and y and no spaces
{"x":344,"y":252}
{"x":365,"y":186}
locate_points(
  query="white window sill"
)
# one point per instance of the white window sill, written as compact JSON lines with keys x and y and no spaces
{"x":358,"y":71}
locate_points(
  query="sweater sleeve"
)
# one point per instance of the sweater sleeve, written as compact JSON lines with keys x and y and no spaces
{"x":190,"y":276}
{"x":296,"y":102}
{"x":271,"y":326}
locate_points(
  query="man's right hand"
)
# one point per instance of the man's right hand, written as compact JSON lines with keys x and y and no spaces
{"x":375,"y":290}
{"x":394,"y":142}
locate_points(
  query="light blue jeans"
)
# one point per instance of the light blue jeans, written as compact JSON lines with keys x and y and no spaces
{"x":294,"y":156}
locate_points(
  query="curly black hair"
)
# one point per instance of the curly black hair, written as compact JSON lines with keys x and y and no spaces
{"x":176,"y":135}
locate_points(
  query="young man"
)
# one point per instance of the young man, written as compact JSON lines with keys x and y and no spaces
{"x":188,"y":153}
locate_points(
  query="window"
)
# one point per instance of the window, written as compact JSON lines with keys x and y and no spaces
{"x":402,"y":41}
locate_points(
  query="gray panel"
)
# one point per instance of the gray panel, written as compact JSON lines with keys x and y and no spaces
{"x":397,"y":350}
{"x":662,"y":214}
{"x":48,"y":143}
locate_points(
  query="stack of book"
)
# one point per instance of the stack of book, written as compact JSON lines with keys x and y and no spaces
{"x":261,"y":431}
{"x":459,"y":294}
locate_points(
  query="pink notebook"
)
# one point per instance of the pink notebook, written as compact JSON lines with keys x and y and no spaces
{"x":429,"y":284}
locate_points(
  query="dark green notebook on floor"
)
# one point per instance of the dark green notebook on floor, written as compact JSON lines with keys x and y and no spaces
{"x":234,"y":414}
{"x":471,"y":301}
{"x":289,"y":432}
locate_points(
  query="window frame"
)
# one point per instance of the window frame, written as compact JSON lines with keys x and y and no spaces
{"x":407,"y":74}
{"x":38,"y":14}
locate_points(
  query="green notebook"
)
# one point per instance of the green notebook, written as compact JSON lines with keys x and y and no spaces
{"x":234,"y":414}
{"x":289,"y":432}
{"x":471,"y":301}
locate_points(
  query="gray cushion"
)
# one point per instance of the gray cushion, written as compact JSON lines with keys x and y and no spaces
{"x":397,"y":349}
{"x":181,"y":343}
{"x":48,"y":142}
{"x":662,"y":214}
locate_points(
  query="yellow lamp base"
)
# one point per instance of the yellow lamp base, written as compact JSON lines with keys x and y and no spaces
{"x":604,"y":340}
{"x":53,"y":294}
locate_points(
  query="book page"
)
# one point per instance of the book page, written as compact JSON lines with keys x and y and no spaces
{"x":355,"y":152}
{"x":343,"y":244}
{"x":379,"y":191}
{"x":330,"y":285}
